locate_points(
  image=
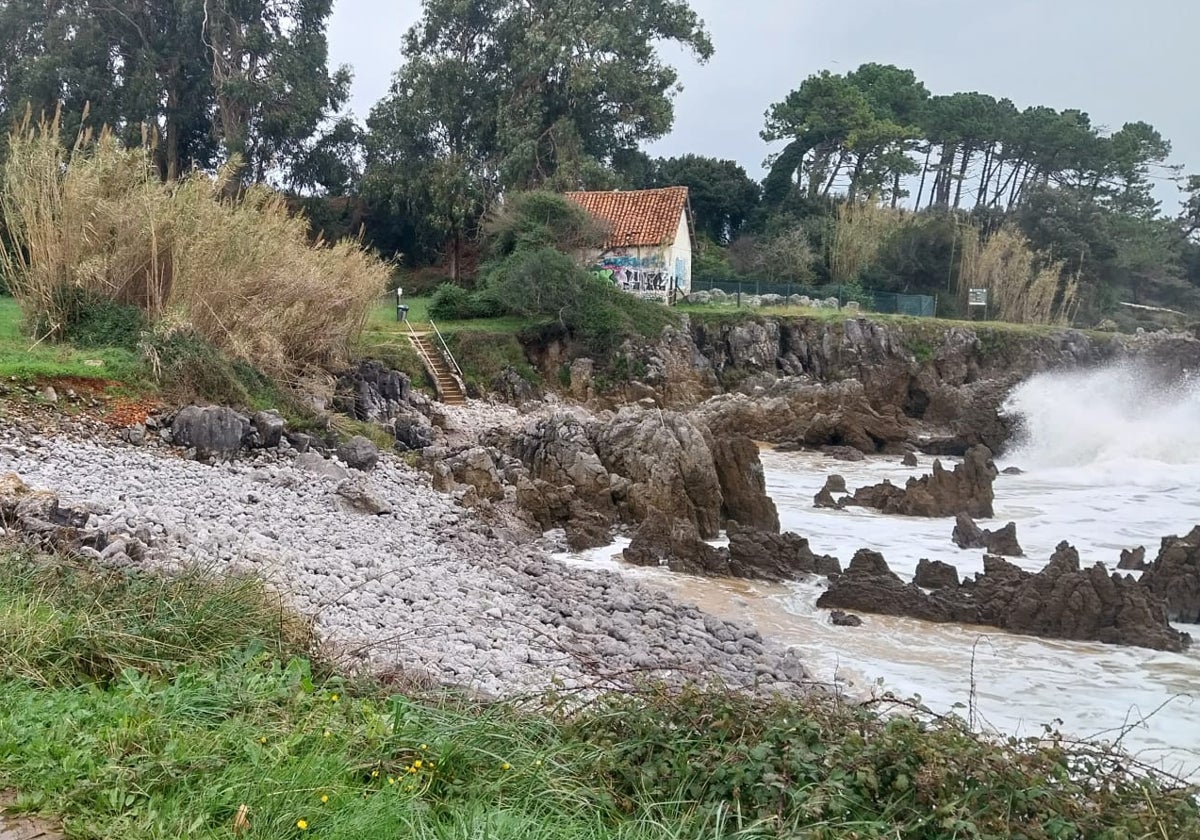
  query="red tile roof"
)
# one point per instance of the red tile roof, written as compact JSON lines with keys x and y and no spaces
{"x":638,"y":217}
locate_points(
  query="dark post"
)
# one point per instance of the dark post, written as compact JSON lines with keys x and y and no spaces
{"x":739,"y":294}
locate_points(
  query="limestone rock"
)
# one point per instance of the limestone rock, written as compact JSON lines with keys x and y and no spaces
{"x":838,"y":618}
{"x":359,"y":496}
{"x":1133,"y":559}
{"x":215,"y":432}
{"x":476,"y":467}
{"x":372,"y":392}
{"x":762,"y":555}
{"x":1174,"y":576}
{"x":413,"y":432}
{"x":934,"y":574}
{"x":966,"y":489}
{"x":869,"y":585}
{"x":668,"y":464}
{"x":359,"y":453}
{"x":270,"y":428}
{"x":674,"y":544}
{"x":743,"y":484}
{"x":318,"y":464}
{"x":1002,"y":541}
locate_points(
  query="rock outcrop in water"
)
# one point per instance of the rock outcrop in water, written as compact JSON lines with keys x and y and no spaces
{"x":1063,"y":601}
{"x":751,"y":553}
{"x":965,"y":489}
{"x":1174,"y":576}
{"x":1002,"y":541}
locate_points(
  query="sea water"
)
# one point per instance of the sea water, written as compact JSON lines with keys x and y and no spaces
{"x":1109,"y":461}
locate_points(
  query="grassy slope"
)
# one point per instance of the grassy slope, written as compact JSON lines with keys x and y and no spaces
{"x":139,"y":707}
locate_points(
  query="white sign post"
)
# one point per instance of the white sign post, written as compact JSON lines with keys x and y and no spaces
{"x":977,"y":300}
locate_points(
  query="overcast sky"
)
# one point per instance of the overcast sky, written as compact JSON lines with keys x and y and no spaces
{"x":1119,"y":60}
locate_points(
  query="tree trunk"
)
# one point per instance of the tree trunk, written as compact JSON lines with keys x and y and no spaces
{"x":984,"y":178}
{"x":837,"y":167}
{"x":924,"y":172}
{"x":962,"y":175}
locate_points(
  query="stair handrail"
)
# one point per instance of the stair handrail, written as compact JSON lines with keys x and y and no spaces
{"x":455,"y":370}
{"x":425,"y":358}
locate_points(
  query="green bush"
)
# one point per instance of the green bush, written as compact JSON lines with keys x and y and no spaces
{"x":92,"y":320}
{"x":454,"y":303}
{"x":192,"y":369}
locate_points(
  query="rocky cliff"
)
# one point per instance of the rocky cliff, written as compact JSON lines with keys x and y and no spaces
{"x":869,"y":384}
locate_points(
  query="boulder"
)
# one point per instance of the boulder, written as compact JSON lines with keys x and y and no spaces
{"x":1133,"y":559}
{"x":372,"y":392}
{"x":318,"y":464}
{"x":269,"y":427}
{"x":824,"y":498}
{"x":910,"y":460}
{"x":359,"y":496}
{"x":413,"y":432}
{"x":844,"y":619}
{"x":513,"y":388}
{"x":762,"y":555}
{"x":843,"y":453}
{"x":743,"y":485}
{"x":1174,"y":576}
{"x":215,"y":432}
{"x":476,"y":467}
{"x":934,"y":574}
{"x":1002,"y":541}
{"x":587,"y":528}
{"x":359,"y":453}
{"x":674,"y":544}
{"x":966,"y":489}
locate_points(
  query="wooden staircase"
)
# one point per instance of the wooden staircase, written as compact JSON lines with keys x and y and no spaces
{"x":445,"y":379}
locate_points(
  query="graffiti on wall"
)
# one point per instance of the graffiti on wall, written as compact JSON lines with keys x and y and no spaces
{"x":633,"y":273}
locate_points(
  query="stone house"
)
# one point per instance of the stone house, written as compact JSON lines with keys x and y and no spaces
{"x":649,"y":247}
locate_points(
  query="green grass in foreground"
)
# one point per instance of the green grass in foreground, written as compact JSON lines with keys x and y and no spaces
{"x":29,"y":360}
{"x":146,"y":707}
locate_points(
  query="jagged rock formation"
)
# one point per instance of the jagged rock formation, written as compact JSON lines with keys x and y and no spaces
{"x":965,"y":489}
{"x":1133,"y":559}
{"x":588,"y":474}
{"x":1174,"y":576}
{"x":1062,"y":601}
{"x":743,"y":484}
{"x":1002,"y":541}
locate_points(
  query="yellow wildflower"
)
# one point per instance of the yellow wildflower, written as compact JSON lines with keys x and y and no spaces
{"x":424,"y":747}
{"x":302,"y":825}
{"x":391,"y":781}
{"x":262,"y":740}
{"x":506,"y":766}
{"x":417,"y":764}
{"x":334,"y":698}
{"x":324,"y":797}
{"x":374,"y":774}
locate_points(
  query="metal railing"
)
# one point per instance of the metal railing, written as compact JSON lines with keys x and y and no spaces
{"x":455,"y":370}
{"x":886,"y":302}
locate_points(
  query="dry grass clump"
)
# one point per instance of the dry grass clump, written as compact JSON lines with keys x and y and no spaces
{"x":95,"y":221}
{"x":1024,"y":287}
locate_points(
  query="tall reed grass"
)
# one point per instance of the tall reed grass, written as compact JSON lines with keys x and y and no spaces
{"x":239,"y":272}
{"x":859,"y":234}
{"x":1023,"y":285}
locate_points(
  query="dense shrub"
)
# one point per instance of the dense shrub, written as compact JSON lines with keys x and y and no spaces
{"x":92,"y":320}
{"x":454,"y":303}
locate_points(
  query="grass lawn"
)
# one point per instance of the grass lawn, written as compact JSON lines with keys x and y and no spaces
{"x":382,"y":321}
{"x":137,"y":706}
{"x":29,"y":360}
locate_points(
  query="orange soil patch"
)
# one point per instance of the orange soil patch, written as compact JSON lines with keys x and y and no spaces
{"x":124,"y":412}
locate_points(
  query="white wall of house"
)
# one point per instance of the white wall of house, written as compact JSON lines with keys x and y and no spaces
{"x":681,"y":256}
{"x":650,"y":272}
